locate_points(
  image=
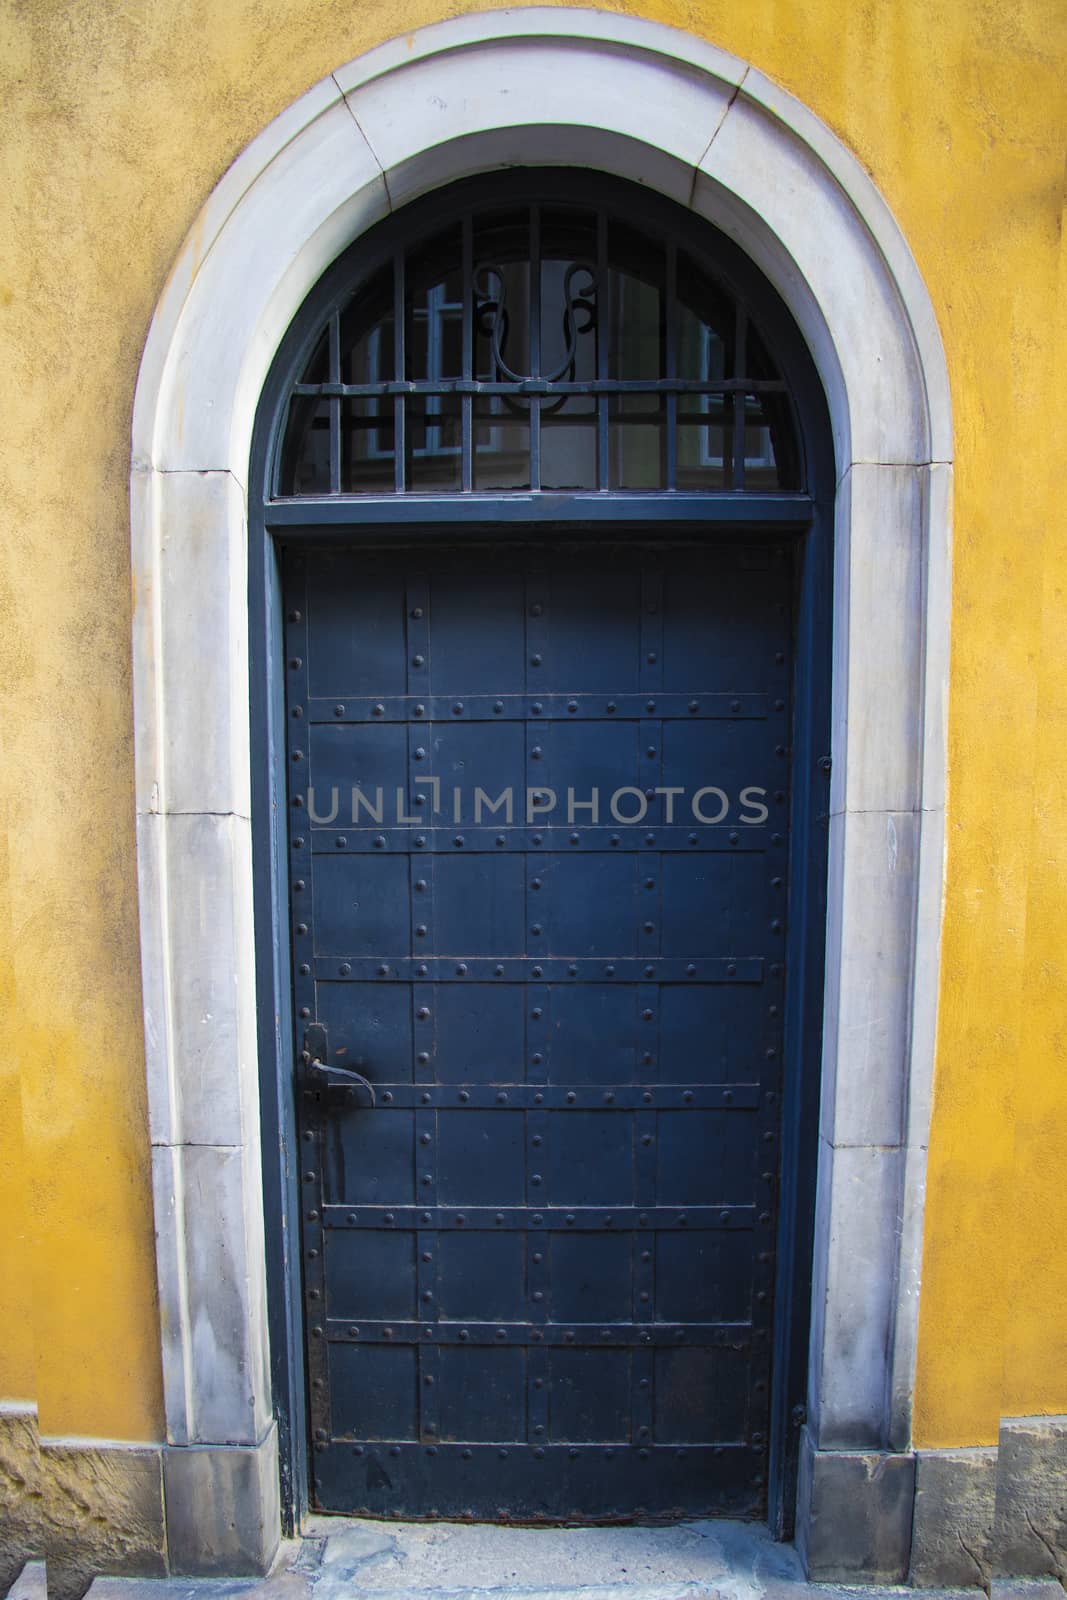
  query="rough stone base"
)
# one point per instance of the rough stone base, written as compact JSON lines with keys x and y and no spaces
{"x":1030,"y":1524}
{"x":20,"y":1491}
{"x":102,"y":1512}
{"x":223,"y":1507}
{"x":854,"y":1514}
{"x":952,"y":1534}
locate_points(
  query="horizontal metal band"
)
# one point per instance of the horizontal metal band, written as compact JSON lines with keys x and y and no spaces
{"x":555,"y":1454}
{"x":428,"y":708}
{"x":464,"y":514}
{"x":439,"y":840}
{"x":555,"y":1097}
{"x":622,"y":1335}
{"x":539,"y":388}
{"x":550,"y":1219}
{"x":536,"y":969}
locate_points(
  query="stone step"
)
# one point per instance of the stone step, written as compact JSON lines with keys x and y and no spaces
{"x":30,"y":1583}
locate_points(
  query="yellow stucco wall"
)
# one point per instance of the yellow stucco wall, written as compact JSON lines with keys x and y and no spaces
{"x":118,"y":117}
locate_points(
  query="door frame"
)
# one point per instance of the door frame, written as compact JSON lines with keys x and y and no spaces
{"x":630,"y":97}
{"x":802,"y":521}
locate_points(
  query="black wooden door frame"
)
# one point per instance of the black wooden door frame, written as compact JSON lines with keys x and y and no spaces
{"x":804,"y":521}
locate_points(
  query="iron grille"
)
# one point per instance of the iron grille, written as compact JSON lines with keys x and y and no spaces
{"x":528,"y":348}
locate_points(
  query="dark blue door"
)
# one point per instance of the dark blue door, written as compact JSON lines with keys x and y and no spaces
{"x":538,"y":830}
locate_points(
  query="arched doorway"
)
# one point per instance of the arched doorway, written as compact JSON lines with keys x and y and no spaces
{"x":646,"y":102}
{"x":547,"y":475}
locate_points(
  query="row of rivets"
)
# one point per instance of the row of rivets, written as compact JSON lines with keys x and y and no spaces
{"x":536,"y":708}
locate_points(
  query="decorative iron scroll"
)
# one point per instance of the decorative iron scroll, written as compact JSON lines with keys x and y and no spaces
{"x":491,"y":317}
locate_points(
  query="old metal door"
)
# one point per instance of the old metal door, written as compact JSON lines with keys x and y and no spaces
{"x":539,"y":1047}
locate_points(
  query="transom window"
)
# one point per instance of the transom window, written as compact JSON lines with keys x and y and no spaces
{"x":536,"y":347}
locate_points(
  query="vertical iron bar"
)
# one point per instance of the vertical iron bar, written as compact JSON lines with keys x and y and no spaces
{"x":670,"y":474}
{"x":738,"y":430}
{"x":535,"y":343}
{"x":467,"y":402}
{"x":335,"y":404}
{"x":399,"y":404}
{"x":603,"y":333}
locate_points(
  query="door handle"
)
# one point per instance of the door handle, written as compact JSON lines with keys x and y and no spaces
{"x":321,"y":1073}
{"x":340,"y":1078}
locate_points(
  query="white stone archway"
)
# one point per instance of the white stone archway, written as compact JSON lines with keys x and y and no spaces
{"x":587,"y":89}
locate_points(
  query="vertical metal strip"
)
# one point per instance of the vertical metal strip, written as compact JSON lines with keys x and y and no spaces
{"x":768,"y":1117}
{"x":467,"y":400}
{"x":740,"y":364}
{"x":535,"y":344}
{"x":670,"y":333}
{"x":538,"y":1247}
{"x":399,"y":373}
{"x":650,"y":944}
{"x":311,"y":1107}
{"x":335,"y":404}
{"x":603,"y":336}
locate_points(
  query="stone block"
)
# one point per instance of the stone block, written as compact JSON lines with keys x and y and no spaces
{"x":20,"y":1491}
{"x":1030,"y":1524}
{"x":102,"y":1508}
{"x":223,"y":1507}
{"x":854,"y":1513}
{"x":952,"y":1534}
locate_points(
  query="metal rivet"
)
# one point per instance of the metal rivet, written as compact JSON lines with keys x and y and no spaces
{"x":296,"y":663}
{"x":537,"y":708}
{"x":461,"y":970}
{"x":498,"y":706}
{"x":610,"y":707}
{"x":418,"y":661}
{"x":420,"y":931}
{"x":420,"y":971}
{"x":379,"y":843}
{"x":536,"y":838}
{"x":537,"y":972}
{"x":299,"y":885}
{"x":498,"y":972}
{"x":694,"y":705}
{"x":387,"y":1099}
{"x":420,"y":711}
{"x":457,"y":709}
{"x":423,"y":1013}
{"x":295,"y":616}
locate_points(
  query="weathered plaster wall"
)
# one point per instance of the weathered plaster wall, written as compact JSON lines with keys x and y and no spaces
{"x":118,"y":117}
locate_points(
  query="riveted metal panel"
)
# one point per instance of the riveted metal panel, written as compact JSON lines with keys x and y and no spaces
{"x":539,"y":1192}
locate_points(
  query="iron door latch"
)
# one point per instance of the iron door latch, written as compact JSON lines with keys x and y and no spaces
{"x":320,"y":1074}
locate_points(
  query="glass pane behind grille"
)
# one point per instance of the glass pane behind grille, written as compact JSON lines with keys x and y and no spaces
{"x":544,"y":348}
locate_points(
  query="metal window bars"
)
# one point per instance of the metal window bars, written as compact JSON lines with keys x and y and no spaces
{"x":539,"y":348}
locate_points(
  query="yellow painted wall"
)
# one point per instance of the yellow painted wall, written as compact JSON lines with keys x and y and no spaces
{"x":117,"y":117}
